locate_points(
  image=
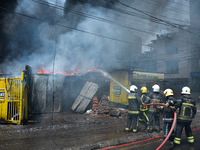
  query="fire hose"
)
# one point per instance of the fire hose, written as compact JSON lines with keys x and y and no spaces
{"x":173,"y":124}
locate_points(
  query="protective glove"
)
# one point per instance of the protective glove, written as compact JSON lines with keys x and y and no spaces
{"x":143,"y":107}
{"x":160,"y":107}
{"x":167,"y":104}
{"x":173,"y":108}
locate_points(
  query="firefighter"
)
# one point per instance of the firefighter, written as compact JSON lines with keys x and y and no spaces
{"x":134,"y":109}
{"x":144,"y":110}
{"x":154,"y":110}
{"x":187,"y":111}
{"x":168,"y":115}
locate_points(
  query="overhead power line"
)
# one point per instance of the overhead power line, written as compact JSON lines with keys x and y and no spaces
{"x":143,"y":15}
{"x":95,"y":17}
{"x":147,"y":14}
{"x":167,"y":22}
{"x":87,"y":32}
{"x":160,"y":4}
{"x":159,"y":21}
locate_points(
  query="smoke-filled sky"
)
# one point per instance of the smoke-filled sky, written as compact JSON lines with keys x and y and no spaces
{"x":65,"y":35}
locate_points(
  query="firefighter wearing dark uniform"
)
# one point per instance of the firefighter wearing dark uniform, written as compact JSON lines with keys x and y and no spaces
{"x":154,"y":110}
{"x":133,"y":110}
{"x":144,"y":110}
{"x":168,"y":114}
{"x":187,"y":111}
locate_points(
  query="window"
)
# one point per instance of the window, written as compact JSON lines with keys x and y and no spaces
{"x":171,"y":48}
{"x":172,"y":67}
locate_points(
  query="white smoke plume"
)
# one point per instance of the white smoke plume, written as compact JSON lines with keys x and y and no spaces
{"x":43,"y":35}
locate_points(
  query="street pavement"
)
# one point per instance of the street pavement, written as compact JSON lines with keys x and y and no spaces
{"x":71,"y":131}
{"x":153,"y":144}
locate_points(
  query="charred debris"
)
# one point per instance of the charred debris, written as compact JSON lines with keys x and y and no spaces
{"x":85,"y":94}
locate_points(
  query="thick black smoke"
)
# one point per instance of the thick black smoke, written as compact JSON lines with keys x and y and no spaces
{"x":4,"y":38}
{"x":73,"y":34}
{"x":34,"y":33}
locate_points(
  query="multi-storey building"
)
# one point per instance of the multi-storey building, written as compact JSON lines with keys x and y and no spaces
{"x":177,"y":55}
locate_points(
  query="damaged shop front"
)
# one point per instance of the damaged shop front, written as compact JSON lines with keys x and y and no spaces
{"x":94,"y":92}
{"x":88,"y":93}
{"x":63,"y":93}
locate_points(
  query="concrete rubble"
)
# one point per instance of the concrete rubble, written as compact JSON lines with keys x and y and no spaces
{"x":108,"y":108}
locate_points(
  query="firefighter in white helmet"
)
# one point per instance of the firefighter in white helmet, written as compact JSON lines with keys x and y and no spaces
{"x":154,"y":110}
{"x":168,"y":114}
{"x":143,"y":118}
{"x":133,"y":109}
{"x":187,"y":111}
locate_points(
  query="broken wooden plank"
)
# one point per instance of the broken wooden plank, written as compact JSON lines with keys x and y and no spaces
{"x":77,"y":102}
{"x":87,"y":93}
{"x":91,"y":91}
{"x":85,"y":88}
{"x":83,"y":105}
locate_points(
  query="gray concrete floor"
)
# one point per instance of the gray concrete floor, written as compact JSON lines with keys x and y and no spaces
{"x":59,"y":131}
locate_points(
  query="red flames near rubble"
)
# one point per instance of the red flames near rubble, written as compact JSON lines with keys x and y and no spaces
{"x":75,"y":72}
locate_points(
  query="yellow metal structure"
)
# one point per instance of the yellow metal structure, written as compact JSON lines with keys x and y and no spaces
{"x":125,"y":77}
{"x":13,"y":99}
{"x":117,"y":93}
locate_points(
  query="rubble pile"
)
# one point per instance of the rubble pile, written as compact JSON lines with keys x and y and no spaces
{"x":105,"y":107}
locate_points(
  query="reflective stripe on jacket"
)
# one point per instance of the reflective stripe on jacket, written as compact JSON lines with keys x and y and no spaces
{"x":144,"y":99}
{"x":134,"y":103}
{"x":186,"y":105}
{"x":155,"y":98}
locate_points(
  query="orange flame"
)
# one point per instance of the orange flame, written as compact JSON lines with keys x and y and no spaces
{"x":75,"y":72}
{"x":43,"y":71}
{"x":92,"y":70}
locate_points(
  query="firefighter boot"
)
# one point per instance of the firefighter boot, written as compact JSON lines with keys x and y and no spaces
{"x":149,"y":129}
{"x":157,"y":129}
{"x":134,"y":130}
{"x":126,"y":130}
{"x":175,"y":145}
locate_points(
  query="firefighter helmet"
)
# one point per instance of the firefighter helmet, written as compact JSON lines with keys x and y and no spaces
{"x":143,"y":89}
{"x":168,"y":92}
{"x":133,"y":88}
{"x":185,"y":90}
{"x":156,"y":88}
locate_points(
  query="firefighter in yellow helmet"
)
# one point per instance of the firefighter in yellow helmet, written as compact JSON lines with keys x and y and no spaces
{"x":168,"y":114}
{"x":187,"y":111}
{"x":133,"y":109}
{"x":144,"y":110}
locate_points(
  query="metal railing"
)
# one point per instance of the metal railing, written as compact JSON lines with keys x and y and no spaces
{"x":13,"y":99}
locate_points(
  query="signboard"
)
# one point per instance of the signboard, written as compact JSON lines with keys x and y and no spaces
{"x":2,"y":94}
{"x":116,"y":90}
{"x":195,"y":74}
{"x":117,"y":93}
{"x":147,"y":76}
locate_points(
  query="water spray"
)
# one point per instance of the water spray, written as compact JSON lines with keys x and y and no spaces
{"x":110,"y":77}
